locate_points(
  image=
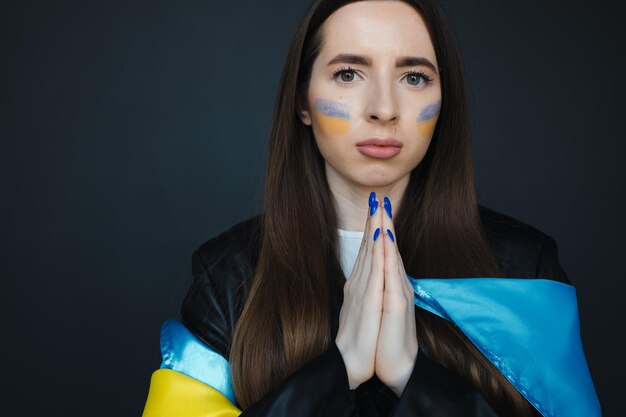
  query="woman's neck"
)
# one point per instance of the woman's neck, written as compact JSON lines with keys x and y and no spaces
{"x":351,"y":199}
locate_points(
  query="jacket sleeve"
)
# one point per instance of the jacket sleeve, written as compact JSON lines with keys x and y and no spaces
{"x":433,"y":390}
{"x":319,"y":388}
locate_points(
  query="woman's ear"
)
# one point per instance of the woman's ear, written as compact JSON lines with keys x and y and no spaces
{"x":302,"y":111}
{"x":305,"y":117}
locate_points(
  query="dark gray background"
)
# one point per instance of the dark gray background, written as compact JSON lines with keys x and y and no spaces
{"x":131,"y":132}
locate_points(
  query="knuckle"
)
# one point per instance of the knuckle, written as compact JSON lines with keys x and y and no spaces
{"x":378,"y":267}
{"x":397,"y":305}
{"x":408,"y":290}
{"x":402,"y":304}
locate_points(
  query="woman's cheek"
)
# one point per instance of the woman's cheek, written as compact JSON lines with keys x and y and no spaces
{"x":333,"y":117}
{"x":427,"y":119}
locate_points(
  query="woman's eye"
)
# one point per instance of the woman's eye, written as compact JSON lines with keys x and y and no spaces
{"x":414,"y":78}
{"x":345,"y":75}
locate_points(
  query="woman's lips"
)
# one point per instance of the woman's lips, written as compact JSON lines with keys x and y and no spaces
{"x":380,"y":148}
{"x":381,"y":152}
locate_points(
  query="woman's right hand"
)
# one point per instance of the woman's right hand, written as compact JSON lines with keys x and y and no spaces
{"x":361,"y":311}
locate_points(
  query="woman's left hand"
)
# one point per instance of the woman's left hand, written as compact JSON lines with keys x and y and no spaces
{"x":397,"y":339}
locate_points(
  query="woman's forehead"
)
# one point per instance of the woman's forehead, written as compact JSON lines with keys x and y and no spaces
{"x":377,"y":29}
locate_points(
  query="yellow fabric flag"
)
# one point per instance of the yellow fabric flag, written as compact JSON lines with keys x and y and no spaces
{"x":173,"y":394}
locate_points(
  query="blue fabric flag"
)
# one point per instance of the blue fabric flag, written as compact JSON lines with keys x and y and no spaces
{"x":528,"y":328}
{"x":185,"y":353}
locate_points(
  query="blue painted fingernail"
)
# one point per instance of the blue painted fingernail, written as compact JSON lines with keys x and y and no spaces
{"x":387,"y":205}
{"x":373,"y":203}
{"x":390,"y":235}
{"x":376,"y":233}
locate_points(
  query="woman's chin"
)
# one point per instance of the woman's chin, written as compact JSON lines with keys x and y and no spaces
{"x":381,"y":179}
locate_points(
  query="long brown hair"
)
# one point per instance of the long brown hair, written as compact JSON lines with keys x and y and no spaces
{"x":285,"y":321}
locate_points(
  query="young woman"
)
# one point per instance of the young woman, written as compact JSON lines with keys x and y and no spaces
{"x":313,"y":308}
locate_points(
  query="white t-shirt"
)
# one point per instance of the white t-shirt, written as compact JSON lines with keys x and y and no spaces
{"x":349,"y":244}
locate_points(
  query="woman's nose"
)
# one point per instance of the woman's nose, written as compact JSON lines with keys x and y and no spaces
{"x":382,"y":106}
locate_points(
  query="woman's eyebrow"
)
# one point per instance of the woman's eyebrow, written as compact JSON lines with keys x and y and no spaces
{"x":405,"y":61}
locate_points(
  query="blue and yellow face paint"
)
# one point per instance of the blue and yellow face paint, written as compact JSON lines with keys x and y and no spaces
{"x":333,"y":116}
{"x":427,"y":119}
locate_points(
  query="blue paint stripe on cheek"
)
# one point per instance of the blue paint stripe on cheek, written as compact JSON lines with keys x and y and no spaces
{"x":429,"y":111}
{"x":331,"y":108}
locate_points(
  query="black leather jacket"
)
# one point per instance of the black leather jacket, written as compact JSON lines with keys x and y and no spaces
{"x":223,"y":267}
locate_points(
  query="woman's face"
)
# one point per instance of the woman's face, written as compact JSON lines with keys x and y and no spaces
{"x":375,"y":77}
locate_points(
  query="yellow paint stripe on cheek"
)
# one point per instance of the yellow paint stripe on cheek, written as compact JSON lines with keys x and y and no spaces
{"x":334,"y":124}
{"x":427,"y":127}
